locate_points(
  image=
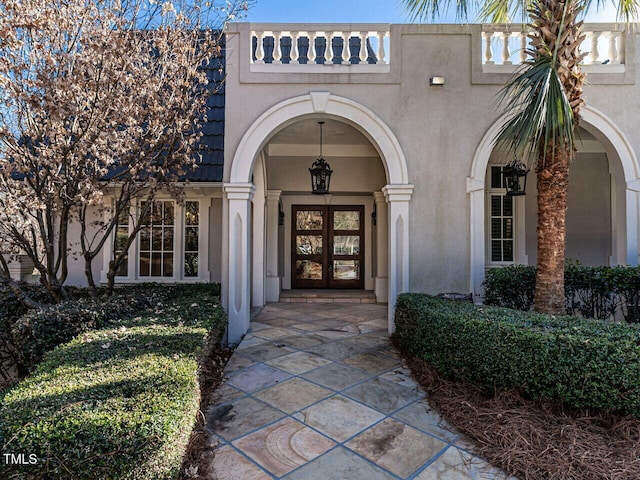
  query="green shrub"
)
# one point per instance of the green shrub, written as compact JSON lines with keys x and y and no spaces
{"x":41,"y":330}
{"x":512,"y":287}
{"x":591,"y":292}
{"x":584,"y":363}
{"x":116,"y":403}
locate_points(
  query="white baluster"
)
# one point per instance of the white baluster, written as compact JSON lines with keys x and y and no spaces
{"x":506,"y":53}
{"x":364,"y":54}
{"x":586,"y":43}
{"x":523,"y":46}
{"x":294,"y":47}
{"x":328,"y":53}
{"x":277,"y":51}
{"x":312,"y":47}
{"x":381,"y":52}
{"x":613,"y":50}
{"x":595,"y":55}
{"x":259,"y":47}
{"x":488,"y":53}
{"x":346,"y":51}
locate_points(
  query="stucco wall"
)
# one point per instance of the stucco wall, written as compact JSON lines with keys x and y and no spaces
{"x":438,"y":128}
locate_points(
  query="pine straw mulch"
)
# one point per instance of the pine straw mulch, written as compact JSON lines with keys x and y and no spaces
{"x":535,"y":440}
{"x":199,"y":452}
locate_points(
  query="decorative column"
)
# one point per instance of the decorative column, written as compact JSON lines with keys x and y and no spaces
{"x":239,"y":197}
{"x":272,"y":286}
{"x":398,"y":197}
{"x":381,"y":280}
{"x":633,"y":208}
{"x":475,"y":189}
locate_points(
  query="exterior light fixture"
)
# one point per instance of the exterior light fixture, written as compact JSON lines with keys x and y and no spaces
{"x":436,"y":81}
{"x":320,"y":172}
{"x":515,"y":178}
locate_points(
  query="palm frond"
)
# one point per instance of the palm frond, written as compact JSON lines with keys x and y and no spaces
{"x":628,"y":10}
{"x":503,"y":11}
{"x":430,"y":9}
{"x":541,"y":117}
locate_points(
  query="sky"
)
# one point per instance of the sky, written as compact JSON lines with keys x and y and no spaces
{"x":355,"y":11}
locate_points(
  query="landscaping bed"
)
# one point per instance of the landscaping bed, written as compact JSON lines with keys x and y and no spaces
{"x":118,"y":402}
{"x":580,"y":362}
{"x":456,"y":351}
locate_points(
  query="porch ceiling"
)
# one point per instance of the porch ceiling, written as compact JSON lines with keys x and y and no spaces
{"x":307,"y":131}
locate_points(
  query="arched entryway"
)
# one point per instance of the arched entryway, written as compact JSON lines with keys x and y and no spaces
{"x":242,"y":218}
{"x":624,"y":195}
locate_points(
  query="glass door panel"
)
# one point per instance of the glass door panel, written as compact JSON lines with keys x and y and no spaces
{"x":346,"y":252}
{"x":309,"y":219}
{"x":309,"y":247}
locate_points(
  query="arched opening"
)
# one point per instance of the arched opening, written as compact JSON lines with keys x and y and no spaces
{"x":270,"y":168}
{"x":602,"y":226}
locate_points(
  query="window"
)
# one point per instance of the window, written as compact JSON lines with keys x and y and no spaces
{"x":169,"y":245}
{"x":191,"y":238}
{"x":501,"y":219}
{"x":156,"y":240}
{"x":120,"y":241}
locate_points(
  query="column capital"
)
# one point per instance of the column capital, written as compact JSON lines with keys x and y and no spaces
{"x":239,"y":191}
{"x":379,"y":197}
{"x":398,"y":193}
{"x":273,"y":195}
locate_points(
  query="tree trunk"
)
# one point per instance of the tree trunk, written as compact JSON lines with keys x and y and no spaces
{"x":553,"y":181}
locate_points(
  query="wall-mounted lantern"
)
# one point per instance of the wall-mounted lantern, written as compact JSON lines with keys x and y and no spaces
{"x":320,"y":172}
{"x":515,"y":178}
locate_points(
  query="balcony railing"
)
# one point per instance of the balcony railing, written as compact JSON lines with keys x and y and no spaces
{"x":281,"y":47}
{"x":504,"y":46}
{"x":366,"y":48}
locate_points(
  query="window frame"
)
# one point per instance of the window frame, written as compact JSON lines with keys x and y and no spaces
{"x":518,"y":227}
{"x":179,"y":231}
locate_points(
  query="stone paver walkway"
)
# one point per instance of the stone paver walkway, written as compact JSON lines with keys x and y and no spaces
{"x":316,"y":391}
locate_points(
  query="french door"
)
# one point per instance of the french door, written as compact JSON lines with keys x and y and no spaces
{"x":327,"y":246}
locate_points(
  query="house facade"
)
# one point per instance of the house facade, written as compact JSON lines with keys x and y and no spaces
{"x":405,"y":116}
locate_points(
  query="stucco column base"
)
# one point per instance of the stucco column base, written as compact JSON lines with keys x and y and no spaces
{"x":381,"y":289}
{"x":239,"y":197}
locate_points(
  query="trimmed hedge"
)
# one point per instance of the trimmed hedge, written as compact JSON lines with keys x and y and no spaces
{"x":583,"y":363}
{"x":41,"y":330}
{"x":591,"y":292}
{"x":116,"y":403}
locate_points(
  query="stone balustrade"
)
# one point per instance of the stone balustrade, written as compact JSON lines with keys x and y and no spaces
{"x":505,"y":45}
{"x":322,"y":48}
{"x":320,"y":44}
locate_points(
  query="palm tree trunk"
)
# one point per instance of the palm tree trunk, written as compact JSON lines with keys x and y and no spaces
{"x":552,"y":181}
{"x":556,"y":29}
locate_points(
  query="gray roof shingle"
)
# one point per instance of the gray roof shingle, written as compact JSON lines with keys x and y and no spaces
{"x":211,"y":164}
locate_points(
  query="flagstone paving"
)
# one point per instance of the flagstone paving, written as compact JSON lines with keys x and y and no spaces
{"x":316,"y":391}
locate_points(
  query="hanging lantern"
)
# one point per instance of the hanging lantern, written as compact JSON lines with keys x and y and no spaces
{"x":515,"y":178}
{"x":320,"y":172}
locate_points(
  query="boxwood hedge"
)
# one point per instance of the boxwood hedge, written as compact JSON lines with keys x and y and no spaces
{"x":591,"y":292}
{"x":115,"y":403}
{"x":583,"y":363}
